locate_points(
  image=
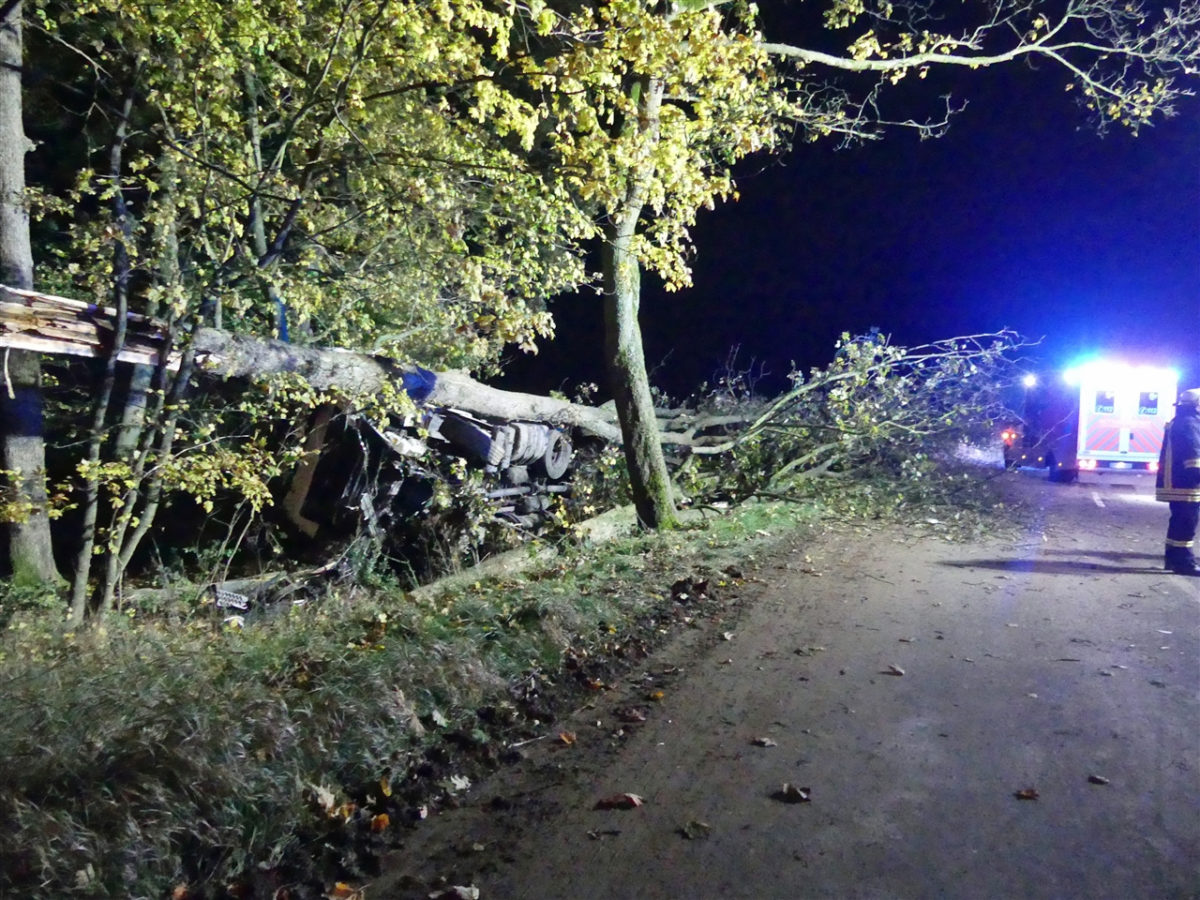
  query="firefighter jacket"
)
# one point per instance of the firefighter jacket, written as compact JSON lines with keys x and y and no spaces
{"x":1178,"y":477}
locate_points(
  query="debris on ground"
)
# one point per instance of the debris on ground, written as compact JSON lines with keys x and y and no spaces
{"x":620,"y":801}
{"x":789,"y":793}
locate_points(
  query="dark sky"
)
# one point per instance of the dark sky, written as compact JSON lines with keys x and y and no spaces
{"x":1020,"y":217}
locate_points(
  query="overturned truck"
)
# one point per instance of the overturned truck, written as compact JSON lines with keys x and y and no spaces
{"x":522,"y":442}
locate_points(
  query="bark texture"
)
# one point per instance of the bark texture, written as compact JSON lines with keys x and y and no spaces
{"x":30,"y":550}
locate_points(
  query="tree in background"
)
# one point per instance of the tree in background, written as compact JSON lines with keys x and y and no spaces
{"x":30,"y":551}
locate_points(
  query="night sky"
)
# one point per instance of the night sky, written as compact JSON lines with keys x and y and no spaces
{"x":1020,"y":217}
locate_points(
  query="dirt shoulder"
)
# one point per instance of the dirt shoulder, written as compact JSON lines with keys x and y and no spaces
{"x":912,"y":687}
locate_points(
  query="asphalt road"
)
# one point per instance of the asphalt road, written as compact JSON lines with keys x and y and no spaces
{"x":912,"y":688}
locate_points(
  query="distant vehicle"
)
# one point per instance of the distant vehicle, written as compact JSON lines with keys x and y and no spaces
{"x":1100,"y":416}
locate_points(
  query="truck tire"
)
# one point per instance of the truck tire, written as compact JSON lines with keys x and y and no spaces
{"x":557,"y":458}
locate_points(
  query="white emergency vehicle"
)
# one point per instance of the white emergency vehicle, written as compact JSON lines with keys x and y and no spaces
{"x":1103,"y":415}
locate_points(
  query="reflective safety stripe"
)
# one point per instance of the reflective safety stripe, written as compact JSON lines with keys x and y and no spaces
{"x":1178,"y":495}
{"x":1171,"y":543}
{"x":1191,"y":463}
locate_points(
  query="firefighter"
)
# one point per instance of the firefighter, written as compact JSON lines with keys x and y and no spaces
{"x":1178,"y":482}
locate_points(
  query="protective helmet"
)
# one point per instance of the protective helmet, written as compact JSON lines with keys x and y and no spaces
{"x":1189,"y":398}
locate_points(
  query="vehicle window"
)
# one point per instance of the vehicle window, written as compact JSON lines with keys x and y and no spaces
{"x":1105,"y":401}
{"x":1148,"y":403}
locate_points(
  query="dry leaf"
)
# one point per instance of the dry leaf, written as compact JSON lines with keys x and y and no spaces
{"x":695,"y":830}
{"x":456,"y":892}
{"x":893,"y":670}
{"x":342,"y":891}
{"x":380,"y":822}
{"x":325,"y":798}
{"x":789,"y":793}
{"x":1097,"y":779}
{"x":655,"y":695}
{"x":764,"y":742}
{"x":1026,"y":794}
{"x":632,"y":714}
{"x":727,"y":635}
{"x":620,"y":801}
{"x":567,"y":737}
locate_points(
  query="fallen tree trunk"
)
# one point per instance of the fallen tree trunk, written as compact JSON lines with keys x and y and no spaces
{"x":30,"y":320}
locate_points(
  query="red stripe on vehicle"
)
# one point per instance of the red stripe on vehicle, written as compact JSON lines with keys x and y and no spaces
{"x":1144,"y":440}
{"x":1101,"y":438}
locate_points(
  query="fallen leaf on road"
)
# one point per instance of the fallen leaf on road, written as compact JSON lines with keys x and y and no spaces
{"x":892,"y":670}
{"x":1097,"y":779}
{"x":632,"y":714}
{"x":764,"y":742}
{"x":620,"y":801}
{"x":789,"y":793}
{"x":727,"y":635}
{"x":1026,"y":794}
{"x":694,"y":830}
{"x":456,"y":892}
{"x":342,"y":891}
{"x":567,"y":737}
{"x":603,"y":833}
{"x":380,"y":822}
{"x":655,"y":695}
{"x":807,"y":651}
{"x":1157,"y":683}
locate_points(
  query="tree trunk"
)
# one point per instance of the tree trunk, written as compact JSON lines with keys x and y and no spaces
{"x":358,"y":374}
{"x":649,"y":481}
{"x":29,"y":546}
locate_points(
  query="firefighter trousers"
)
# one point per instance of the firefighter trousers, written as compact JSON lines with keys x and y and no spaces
{"x":1181,"y":531}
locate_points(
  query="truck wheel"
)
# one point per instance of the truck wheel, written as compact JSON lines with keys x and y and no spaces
{"x":557,"y":458}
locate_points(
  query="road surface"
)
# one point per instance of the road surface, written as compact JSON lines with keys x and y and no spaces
{"x":1013,"y":718}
